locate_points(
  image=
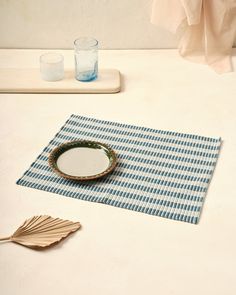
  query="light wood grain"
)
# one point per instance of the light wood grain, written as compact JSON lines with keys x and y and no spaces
{"x":28,"y":80}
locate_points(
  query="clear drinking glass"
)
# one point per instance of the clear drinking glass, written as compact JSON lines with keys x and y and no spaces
{"x":52,"y":66}
{"x":86,"y":59}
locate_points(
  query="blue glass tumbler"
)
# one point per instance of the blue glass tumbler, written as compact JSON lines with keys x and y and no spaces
{"x":86,"y":59}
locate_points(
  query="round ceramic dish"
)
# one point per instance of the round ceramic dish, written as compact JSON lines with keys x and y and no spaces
{"x":82,"y":160}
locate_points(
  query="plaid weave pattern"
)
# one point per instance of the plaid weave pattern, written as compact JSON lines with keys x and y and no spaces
{"x":159,"y":172}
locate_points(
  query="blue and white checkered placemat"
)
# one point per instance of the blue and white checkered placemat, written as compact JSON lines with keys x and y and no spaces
{"x":161,"y":173}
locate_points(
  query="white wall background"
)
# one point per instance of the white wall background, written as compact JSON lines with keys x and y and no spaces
{"x":56,"y":23}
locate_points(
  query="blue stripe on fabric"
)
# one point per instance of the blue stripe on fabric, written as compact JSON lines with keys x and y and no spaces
{"x":177,"y":192}
{"x":121,"y":204}
{"x":120,"y":184}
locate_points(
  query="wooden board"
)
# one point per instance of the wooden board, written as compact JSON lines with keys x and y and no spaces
{"x":29,"y":81}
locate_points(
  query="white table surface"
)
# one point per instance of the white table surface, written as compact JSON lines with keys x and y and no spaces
{"x":119,"y":251}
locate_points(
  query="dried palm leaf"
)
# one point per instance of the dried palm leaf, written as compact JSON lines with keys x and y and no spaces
{"x":42,"y":231}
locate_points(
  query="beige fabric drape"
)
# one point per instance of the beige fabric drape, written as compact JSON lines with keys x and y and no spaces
{"x":207,"y":28}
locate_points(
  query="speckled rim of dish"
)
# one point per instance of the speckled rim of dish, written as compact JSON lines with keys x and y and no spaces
{"x":54,"y":155}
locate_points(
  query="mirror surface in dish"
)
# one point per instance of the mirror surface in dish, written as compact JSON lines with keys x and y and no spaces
{"x":83,"y":161}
